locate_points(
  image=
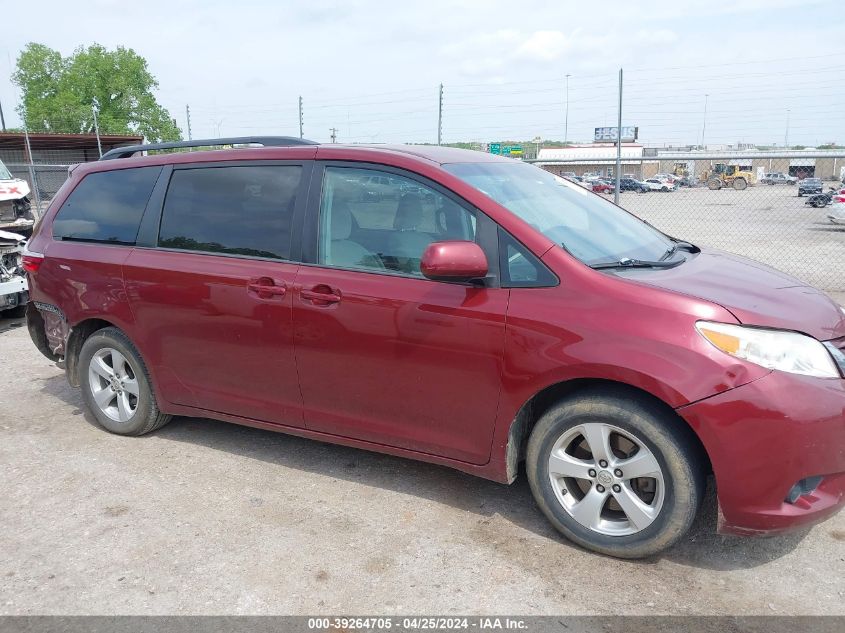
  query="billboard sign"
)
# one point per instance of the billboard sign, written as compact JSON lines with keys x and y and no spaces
{"x":608,"y":134}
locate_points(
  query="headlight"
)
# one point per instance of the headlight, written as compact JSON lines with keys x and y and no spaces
{"x":775,"y":349}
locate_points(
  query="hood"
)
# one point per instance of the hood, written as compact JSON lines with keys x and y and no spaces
{"x":13,"y":189}
{"x":756,"y":294}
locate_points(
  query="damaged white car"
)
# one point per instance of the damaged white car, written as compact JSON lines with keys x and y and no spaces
{"x":13,"y":288}
{"x":15,"y":208}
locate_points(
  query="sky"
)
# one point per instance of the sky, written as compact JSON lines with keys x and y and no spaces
{"x":768,"y":72}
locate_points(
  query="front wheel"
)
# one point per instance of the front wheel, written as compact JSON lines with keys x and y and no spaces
{"x":740,"y":184}
{"x":116,"y":386}
{"x":615,"y":474}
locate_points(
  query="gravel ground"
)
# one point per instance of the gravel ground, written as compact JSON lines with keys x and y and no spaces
{"x":204,"y":517}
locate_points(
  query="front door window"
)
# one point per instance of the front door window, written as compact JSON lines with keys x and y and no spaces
{"x":383,"y":222}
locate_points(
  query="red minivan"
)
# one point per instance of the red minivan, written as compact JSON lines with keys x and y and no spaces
{"x":453,"y":307}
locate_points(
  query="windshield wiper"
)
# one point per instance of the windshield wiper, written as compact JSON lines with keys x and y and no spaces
{"x":626,"y":262}
{"x":676,"y":246}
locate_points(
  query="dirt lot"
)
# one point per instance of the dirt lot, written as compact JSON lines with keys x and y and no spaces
{"x":206,"y":517}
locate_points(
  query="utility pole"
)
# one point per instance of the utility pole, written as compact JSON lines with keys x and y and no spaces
{"x":188,"y":117}
{"x":97,"y":128}
{"x":2,"y":118}
{"x":786,"y":136}
{"x":440,"y":116}
{"x":704,"y":124}
{"x":566,"y":116}
{"x":300,"y":117}
{"x":333,"y":130}
{"x":618,"y":143}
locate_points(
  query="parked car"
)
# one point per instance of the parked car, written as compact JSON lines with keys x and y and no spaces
{"x":602,"y":186}
{"x":13,"y":288}
{"x":631,"y":184}
{"x":809,"y":186}
{"x":819,"y":200}
{"x":670,"y":178}
{"x":511,"y":317}
{"x":655,"y":184}
{"x":836,"y":213}
{"x":16,"y":213}
{"x":778,"y":178}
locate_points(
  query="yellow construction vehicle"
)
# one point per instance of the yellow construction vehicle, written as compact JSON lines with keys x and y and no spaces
{"x":723,"y":175}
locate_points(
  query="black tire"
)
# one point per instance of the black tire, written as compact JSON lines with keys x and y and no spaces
{"x":740,"y":184}
{"x":800,"y":194}
{"x":667,"y":437}
{"x":147,"y":417}
{"x":664,"y":189}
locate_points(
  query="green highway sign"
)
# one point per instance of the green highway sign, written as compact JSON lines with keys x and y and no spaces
{"x":505,"y":150}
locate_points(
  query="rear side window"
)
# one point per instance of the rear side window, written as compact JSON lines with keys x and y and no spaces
{"x":244,"y":210}
{"x":106,"y":206}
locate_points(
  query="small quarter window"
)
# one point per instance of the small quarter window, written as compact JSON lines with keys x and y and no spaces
{"x":520,"y":268}
{"x":106,"y":206}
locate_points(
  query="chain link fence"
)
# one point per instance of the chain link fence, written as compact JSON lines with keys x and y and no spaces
{"x":770,"y":207}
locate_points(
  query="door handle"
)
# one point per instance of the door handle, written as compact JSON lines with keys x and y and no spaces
{"x":266,"y":288}
{"x":320,"y":294}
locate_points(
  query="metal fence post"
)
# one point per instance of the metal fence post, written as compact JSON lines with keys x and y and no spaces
{"x":618,"y":143}
{"x":97,"y":129}
{"x":32,"y":177}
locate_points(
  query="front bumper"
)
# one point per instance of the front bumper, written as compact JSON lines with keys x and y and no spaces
{"x":763,"y":438}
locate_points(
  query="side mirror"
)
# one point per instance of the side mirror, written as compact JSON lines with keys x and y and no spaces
{"x":454,"y":261}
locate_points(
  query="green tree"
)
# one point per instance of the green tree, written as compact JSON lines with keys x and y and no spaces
{"x":58,"y":93}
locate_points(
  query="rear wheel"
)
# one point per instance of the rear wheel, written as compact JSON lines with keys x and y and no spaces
{"x":713,"y":184}
{"x":116,"y":386}
{"x":614,"y":474}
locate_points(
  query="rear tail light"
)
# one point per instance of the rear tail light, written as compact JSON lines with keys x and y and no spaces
{"x":31,"y":260}
{"x":839,"y":199}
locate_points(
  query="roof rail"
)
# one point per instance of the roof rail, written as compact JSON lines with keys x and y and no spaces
{"x":266,"y":141}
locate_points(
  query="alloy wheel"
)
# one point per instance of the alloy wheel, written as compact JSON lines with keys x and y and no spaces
{"x":606,"y":479}
{"x":114,"y":384}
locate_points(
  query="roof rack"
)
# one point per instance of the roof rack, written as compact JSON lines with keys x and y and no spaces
{"x":266,"y":141}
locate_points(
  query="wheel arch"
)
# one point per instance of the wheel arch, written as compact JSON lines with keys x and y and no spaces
{"x":77,"y":336}
{"x":533,"y":409}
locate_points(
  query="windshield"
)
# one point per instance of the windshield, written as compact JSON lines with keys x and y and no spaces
{"x":589,"y":227}
{"x":4,"y":173}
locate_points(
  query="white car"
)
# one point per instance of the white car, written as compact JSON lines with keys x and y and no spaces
{"x":836,"y":212}
{"x":15,"y":208}
{"x":655,"y":184}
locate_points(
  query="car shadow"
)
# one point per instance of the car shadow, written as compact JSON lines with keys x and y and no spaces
{"x":702,"y":548}
{"x":8,"y":323}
